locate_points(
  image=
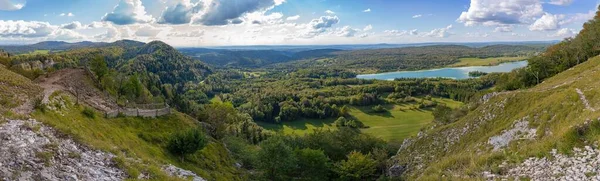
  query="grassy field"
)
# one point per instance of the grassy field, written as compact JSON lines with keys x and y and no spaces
{"x":15,"y":89}
{"x":401,"y":121}
{"x":40,"y":52}
{"x":464,"y":62}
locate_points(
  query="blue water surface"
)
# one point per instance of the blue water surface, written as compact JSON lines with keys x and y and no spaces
{"x":453,"y":73}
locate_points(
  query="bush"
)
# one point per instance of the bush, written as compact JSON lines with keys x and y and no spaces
{"x":378,"y":109}
{"x":186,"y":142}
{"x":89,"y":112}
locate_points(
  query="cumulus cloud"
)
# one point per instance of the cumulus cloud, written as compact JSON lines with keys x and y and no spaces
{"x":548,"y":22}
{"x":195,"y":33}
{"x":395,"y":32}
{"x":293,"y":18}
{"x":66,"y":35}
{"x":8,"y":5}
{"x":417,"y":16}
{"x":503,"y":29}
{"x":72,"y":26}
{"x":148,"y":31}
{"x":561,"y":2}
{"x":346,"y":31}
{"x":128,"y":12}
{"x":565,"y":32}
{"x":501,"y":12}
{"x":367,"y":28}
{"x":25,"y":29}
{"x":317,"y":26}
{"x":414,"y":32}
{"x":439,"y":33}
{"x":329,"y":12}
{"x":367,"y":10}
{"x":180,"y":13}
{"x":223,"y":12}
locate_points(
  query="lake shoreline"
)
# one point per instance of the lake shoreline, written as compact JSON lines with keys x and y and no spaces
{"x":448,"y":72}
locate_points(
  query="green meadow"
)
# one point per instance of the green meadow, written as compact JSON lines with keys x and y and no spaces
{"x":399,"y":122}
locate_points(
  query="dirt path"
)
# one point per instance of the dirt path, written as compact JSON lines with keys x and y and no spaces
{"x":75,"y":81}
{"x":584,"y":100}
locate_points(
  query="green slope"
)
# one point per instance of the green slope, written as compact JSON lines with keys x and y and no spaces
{"x":463,"y":150}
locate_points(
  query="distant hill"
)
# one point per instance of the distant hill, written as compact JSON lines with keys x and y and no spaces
{"x":252,"y":58}
{"x":54,"y":46}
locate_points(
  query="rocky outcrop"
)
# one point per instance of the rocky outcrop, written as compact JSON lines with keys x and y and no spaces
{"x":583,"y":164}
{"x":32,"y":151}
{"x":181,"y":173}
{"x":519,"y":131}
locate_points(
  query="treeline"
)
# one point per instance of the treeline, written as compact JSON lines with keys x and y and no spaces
{"x":343,"y":154}
{"x":557,"y":58}
{"x":409,"y":58}
{"x":287,"y":98}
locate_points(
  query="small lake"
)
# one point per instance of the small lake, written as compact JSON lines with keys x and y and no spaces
{"x":453,"y":73}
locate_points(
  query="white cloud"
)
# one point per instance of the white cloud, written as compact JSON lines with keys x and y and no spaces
{"x":417,"y":16}
{"x":128,"y":12}
{"x":547,"y":22}
{"x":346,"y":31}
{"x":329,"y":12}
{"x":503,"y":29}
{"x":561,"y":2}
{"x":293,"y":18}
{"x":439,"y":33}
{"x":367,"y":10}
{"x":8,"y":5}
{"x":578,"y":18}
{"x":367,"y":28}
{"x":317,"y":26}
{"x":67,"y":14}
{"x":395,"y":32}
{"x":25,"y":29}
{"x":414,"y":32}
{"x":148,"y":31}
{"x":501,"y":12}
{"x":72,"y":26}
{"x":223,"y":12}
{"x":192,"y":34}
{"x":563,"y":33}
{"x":180,"y":13}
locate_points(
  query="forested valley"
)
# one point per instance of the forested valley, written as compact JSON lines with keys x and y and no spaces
{"x":231,"y":98}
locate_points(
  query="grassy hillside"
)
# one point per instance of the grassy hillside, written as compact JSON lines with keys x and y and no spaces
{"x":510,"y":127}
{"x":139,"y":143}
{"x":15,"y":90}
{"x":464,"y":62}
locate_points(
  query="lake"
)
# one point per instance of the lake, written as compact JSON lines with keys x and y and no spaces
{"x":453,"y":73}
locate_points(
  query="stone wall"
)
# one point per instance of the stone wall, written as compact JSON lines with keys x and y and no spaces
{"x":151,"y":113}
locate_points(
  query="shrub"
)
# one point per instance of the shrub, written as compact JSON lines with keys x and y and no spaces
{"x":89,"y":112}
{"x":186,"y":142}
{"x":378,"y":109}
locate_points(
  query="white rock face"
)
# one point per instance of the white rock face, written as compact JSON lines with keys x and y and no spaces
{"x":181,"y":173}
{"x":520,"y":130}
{"x":582,"y":165}
{"x":32,"y":151}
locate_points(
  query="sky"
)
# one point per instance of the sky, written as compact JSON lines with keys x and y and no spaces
{"x":190,"y":23}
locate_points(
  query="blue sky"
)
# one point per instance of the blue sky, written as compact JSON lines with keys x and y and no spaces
{"x":265,"y":22}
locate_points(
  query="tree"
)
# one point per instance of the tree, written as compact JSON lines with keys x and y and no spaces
{"x":357,"y":167}
{"x":276,"y":159}
{"x":99,"y":67}
{"x":312,"y":164}
{"x":341,"y":121}
{"x":442,"y":114}
{"x":186,"y":142}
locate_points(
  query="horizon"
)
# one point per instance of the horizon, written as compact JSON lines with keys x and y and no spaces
{"x":217,"y":23}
